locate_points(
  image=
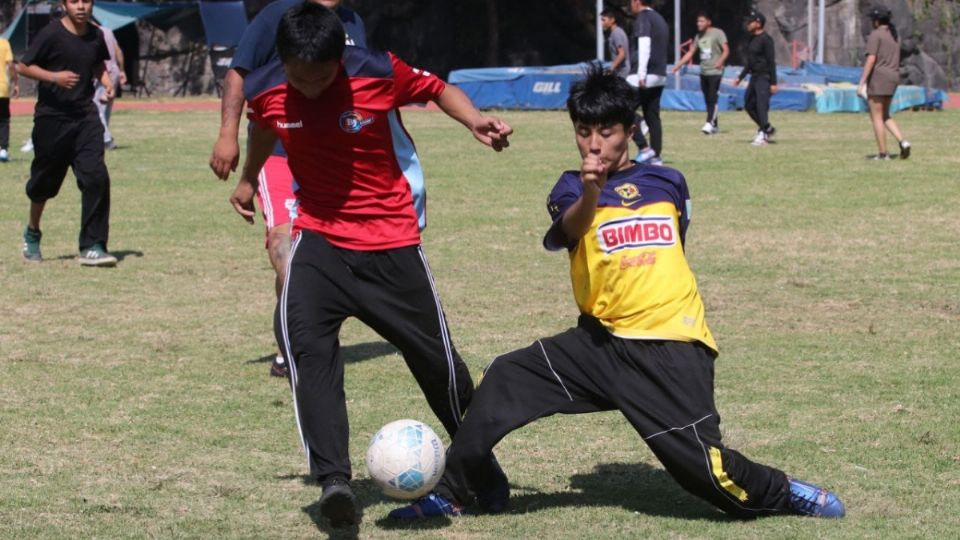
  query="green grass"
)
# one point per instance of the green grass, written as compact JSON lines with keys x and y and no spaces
{"x":135,"y":402}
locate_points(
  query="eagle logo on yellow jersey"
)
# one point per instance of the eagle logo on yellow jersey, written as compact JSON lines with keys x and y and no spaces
{"x":629,"y":193}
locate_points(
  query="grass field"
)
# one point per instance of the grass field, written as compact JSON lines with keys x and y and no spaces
{"x":135,"y":402}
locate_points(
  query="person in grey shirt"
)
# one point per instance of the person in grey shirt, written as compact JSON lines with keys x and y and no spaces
{"x":649,"y":41}
{"x":618,"y":46}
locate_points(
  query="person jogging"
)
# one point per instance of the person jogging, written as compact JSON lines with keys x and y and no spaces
{"x":710,"y":44}
{"x":761,"y":65}
{"x":641,"y":344}
{"x":66,"y":57}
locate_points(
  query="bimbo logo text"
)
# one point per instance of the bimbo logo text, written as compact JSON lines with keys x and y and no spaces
{"x":636,"y":232}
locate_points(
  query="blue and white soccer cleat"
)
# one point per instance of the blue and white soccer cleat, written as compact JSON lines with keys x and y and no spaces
{"x":645,"y":156}
{"x":429,"y":506}
{"x":809,"y":500}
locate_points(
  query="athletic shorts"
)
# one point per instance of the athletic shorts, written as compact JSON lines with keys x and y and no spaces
{"x":275,"y":194}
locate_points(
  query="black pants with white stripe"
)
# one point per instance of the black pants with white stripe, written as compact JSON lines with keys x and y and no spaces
{"x":663,"y":388}
{"x":391,"y":291}
{"x":710,"y":86}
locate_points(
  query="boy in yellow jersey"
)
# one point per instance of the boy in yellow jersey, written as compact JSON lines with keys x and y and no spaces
{"x":641,"y":345}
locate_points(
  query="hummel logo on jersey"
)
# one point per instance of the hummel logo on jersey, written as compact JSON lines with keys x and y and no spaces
{"x":353,"y":122}
{"x":290,"y":125}
{"x":636,"y":232}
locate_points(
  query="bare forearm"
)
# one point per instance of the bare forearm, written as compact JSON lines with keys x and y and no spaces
{"x":259,"y":146}
{"x":231,"y":105}
{"x":724,"y":55}
{"x":458,"y":106}
{"x":36,"y":72}
{"x":867,"y":68}
{"x":619,"y":59}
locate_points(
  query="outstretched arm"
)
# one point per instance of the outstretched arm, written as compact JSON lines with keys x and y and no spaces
{"x":685,"y":59}
{"x":489,"y":130}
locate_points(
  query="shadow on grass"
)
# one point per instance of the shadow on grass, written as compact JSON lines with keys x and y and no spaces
{"x":120,"y":255}
{"x":367,"y":494}
{"x":351,"y":353}
{"x":637,"y":487}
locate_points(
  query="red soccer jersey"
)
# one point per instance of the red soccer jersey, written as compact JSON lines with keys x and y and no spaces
{"x":356,"y":173}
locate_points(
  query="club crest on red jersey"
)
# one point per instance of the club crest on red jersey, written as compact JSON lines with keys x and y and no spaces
{"x":636,"y":232}
{"x":353,"y":122}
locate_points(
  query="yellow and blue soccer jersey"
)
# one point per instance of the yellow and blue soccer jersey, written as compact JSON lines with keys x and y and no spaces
{"x":629,"y":270}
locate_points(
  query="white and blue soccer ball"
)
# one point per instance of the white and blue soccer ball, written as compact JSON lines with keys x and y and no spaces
{"x":406,"y":459}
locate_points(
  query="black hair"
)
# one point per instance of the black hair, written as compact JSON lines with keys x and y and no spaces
{"x":310,"y":32}
{"x":883,"y":16}
{"x":705,"y":15}
{"x":601,"y":98}
{"x":609,"y":12}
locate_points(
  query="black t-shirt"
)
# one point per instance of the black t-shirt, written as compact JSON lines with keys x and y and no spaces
{"x":761,"y":58}
{"x":650,"y":24}
{"x":57,"y":49}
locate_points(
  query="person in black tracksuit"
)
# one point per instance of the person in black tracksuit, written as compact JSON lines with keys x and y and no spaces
{"x":66,"y":57}
{"x":761,"y":65}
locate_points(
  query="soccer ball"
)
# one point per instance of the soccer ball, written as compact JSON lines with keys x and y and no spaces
{"x":405,"y":458}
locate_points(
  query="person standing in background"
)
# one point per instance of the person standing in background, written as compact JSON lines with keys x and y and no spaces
{"x":712,"y":45}
{"x":881,"y":74}
{"x":117,"y":76}
{"x":651,"y":37}
{"x":761,"y":65}
{"x":9,"y":86}
{"x":618,"y":46}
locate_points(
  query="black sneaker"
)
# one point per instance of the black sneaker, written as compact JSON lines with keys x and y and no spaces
{"x":31,"y":245}
{"x":904,"y":149}
{"x":879,"y":157}
{"x":338,"y":504}
{"x":770,"y":132}
{"x":278,"y":368}
{"x":95,"y":255}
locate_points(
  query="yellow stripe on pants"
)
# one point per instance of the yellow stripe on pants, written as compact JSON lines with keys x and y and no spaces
{"x":716,"y":465}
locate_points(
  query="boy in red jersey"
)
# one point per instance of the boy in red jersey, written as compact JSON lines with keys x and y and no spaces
{"x":356,"y":249}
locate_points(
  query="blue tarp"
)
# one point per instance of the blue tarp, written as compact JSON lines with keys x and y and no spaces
{"x":547,"y":88}
{"x":692,"y":100}
{"x":801,"y":89}
{"x":834,"y":74}
{"x":847,"y":100}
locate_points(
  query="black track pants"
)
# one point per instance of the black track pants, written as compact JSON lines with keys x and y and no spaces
{"x":710,"y":86}
{"x":62,"y":142}
{"x":757,"y":101}
{"x":663,"y":388}
{"x":648,"y":100}
{"x":392,"y":292}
